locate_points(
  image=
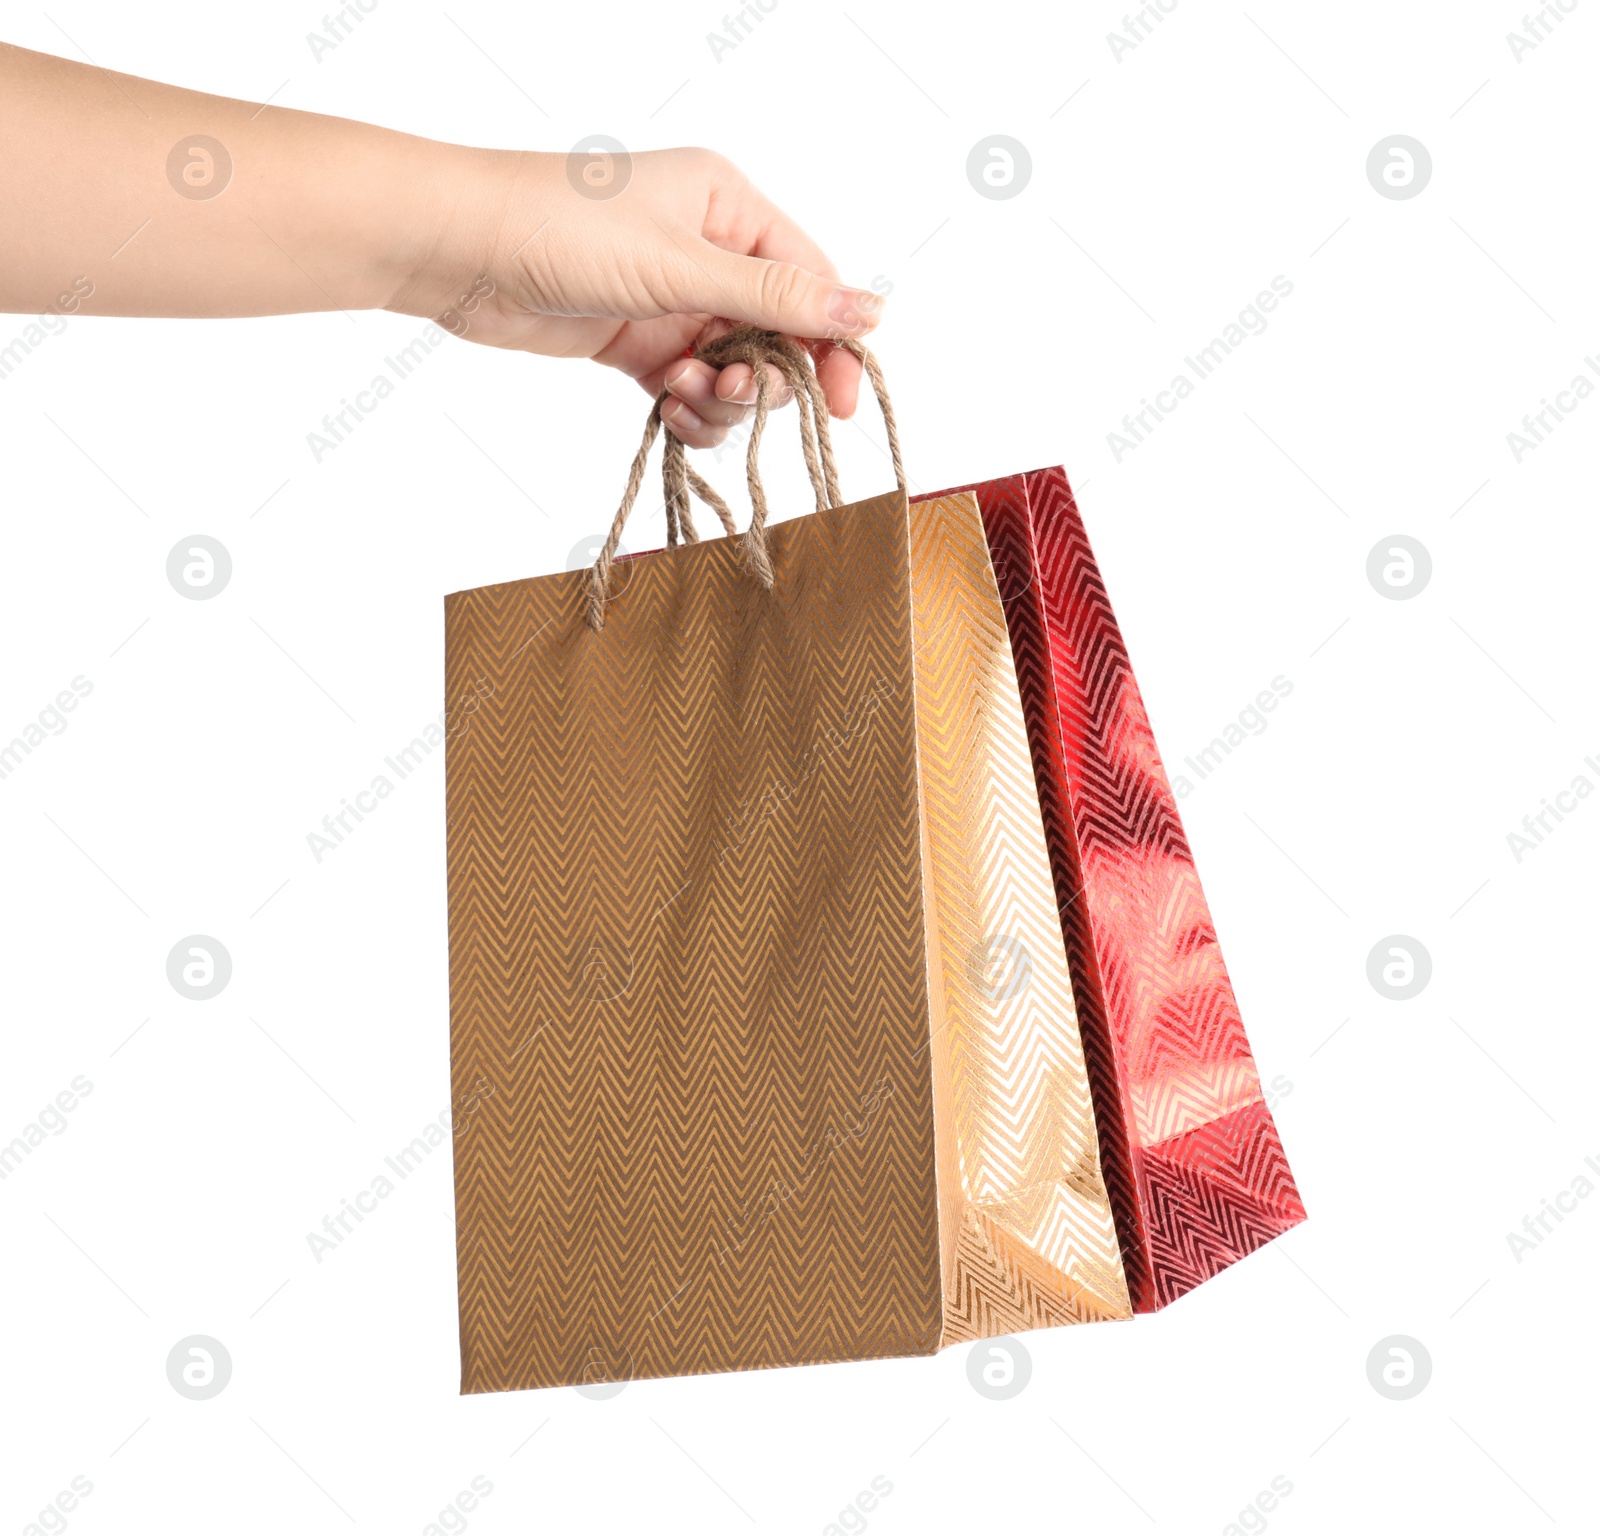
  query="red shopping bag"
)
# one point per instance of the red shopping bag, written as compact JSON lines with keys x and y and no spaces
{"x":1196,"y":1173}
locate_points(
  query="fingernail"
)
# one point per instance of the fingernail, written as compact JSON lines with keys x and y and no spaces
{"x":678,"y":373}
{"x":681,"y":416}
{"x":854,"y":310}
{"x":744,"y":393}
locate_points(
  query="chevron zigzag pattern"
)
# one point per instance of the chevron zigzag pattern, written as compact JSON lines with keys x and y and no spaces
{"x":699,"y":978}
{"x":1196,"y":1173}
{"x":1034,"y":1239}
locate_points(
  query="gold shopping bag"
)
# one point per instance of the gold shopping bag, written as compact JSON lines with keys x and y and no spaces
{"x":763,"y":1048}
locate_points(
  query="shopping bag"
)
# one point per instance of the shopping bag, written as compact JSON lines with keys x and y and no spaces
{"x":763,"y":1045}
{"x":1197,"y":1175}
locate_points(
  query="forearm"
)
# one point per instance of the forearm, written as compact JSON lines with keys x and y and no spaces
{"x":122,"y":196}
{"x":103,"y":188}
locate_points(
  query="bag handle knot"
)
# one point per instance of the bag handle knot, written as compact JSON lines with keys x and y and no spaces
{"x":760,"y":349}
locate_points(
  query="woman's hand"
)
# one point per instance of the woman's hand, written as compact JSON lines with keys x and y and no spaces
{"x":632,"y":260}
{"x":135,"y":198}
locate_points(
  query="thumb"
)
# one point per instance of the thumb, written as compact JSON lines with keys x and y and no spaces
{"x":773,"y":294}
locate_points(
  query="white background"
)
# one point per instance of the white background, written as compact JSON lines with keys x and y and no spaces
{"x":1168,"y":190}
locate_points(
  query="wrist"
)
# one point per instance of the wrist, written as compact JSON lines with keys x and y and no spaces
{"x":453,"y":202}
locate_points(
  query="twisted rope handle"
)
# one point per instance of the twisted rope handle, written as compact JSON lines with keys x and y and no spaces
{"x":758,"y":348}
{"x":679,"y":479}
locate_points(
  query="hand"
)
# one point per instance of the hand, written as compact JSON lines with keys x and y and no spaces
{"x":499,"y":246}
{"x":631,"y":279}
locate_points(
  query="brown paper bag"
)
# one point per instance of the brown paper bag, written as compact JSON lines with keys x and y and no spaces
{"x":763,"y":1047}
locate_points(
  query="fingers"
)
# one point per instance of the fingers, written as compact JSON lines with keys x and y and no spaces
{"x":780,"y":297}
{"x":741,"y":219}
{"x":839,"y":373}
{"x":737,"y":383}
{"x":705,"y":402}
{"x":777,"y":295}
{"x":748,"y":263}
